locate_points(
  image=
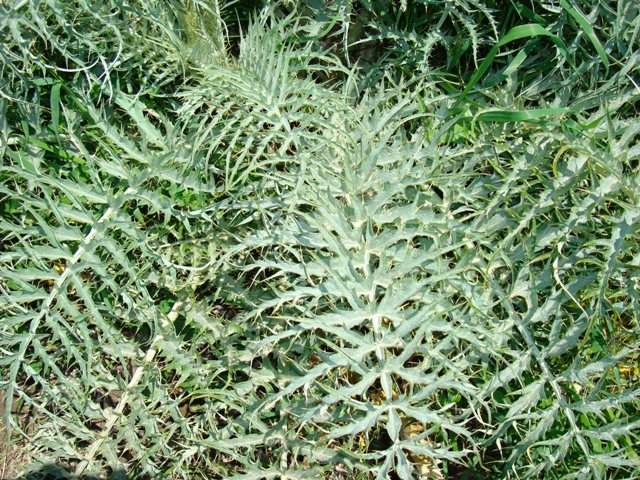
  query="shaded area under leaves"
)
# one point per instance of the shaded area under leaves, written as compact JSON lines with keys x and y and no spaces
{"x":55,"y":472}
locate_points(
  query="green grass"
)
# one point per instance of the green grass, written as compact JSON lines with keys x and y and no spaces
{"x":367,"y":239}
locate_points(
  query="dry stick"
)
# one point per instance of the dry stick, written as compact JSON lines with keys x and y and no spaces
{"x":117,"y":413}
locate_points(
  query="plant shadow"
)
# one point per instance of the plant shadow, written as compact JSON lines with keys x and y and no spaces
{"x":55,"y":472}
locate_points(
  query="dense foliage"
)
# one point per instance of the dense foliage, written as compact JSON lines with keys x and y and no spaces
{"x":369,"y":239}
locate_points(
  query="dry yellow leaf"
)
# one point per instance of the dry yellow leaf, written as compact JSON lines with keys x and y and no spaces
{"x":426,"y":466}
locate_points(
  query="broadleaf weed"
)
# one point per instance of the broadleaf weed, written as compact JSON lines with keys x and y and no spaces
{"x":292,"y":240}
